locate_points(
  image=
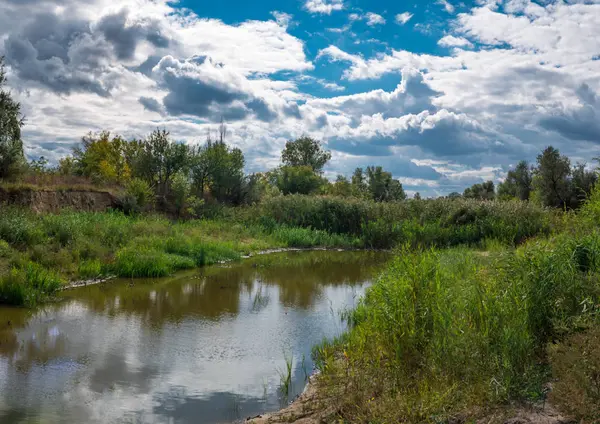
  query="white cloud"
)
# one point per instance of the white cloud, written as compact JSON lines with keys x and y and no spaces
{"x":282,"y":18}
{"x":449,"y":7}
{"x":374,"y":19}
{"x":403,"y":18}
{"x":324,"y":7}
{"x":452,"y":41}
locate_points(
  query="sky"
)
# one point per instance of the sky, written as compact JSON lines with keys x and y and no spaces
{"x":444,"y":93}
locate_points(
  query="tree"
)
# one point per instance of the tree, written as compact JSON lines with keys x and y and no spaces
{"x":341,"y":187}
{"x":219,"y":169}
{"x":417,"y":196}
{"x":359,"y":183}
{"x":382,"y":187}
{"x":296,"y":180}
{"x":582,"y":184}
{"x":11,"y":146}
{"x":102,"y":158}
{"x":518,"y":183}
{"x":305,"y":151}
{"x":483,"y":191}
{"x":159,"y":159}
{"x":551,"y":179}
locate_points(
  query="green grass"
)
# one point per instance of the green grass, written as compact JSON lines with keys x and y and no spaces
{"x":433,"y":222}
{"x":28,"y":285}
{"x":454,"y":333}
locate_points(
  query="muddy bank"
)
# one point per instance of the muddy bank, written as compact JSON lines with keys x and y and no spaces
{"x":309,"y":408}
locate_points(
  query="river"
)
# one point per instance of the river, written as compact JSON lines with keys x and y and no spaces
{"x":207,"y":346}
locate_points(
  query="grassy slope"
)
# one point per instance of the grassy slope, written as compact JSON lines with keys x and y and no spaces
{"x":454,"y":332}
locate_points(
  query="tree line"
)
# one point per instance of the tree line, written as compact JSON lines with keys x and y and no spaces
{"x":157,"y":168}
{"x":552,"y":181}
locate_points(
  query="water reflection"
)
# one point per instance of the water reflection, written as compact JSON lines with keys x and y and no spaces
{"x":199,"y":347}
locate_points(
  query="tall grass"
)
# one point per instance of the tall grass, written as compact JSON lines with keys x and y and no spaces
{"x":434,"y":222}
{"x":447,"y":333}
{"x":28,"y":285}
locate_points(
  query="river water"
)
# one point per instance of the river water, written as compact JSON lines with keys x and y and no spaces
{"x":207,"y":346}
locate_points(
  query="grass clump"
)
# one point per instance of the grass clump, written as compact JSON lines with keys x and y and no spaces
{"x":146,"y":262}
{"x":28,"y":285}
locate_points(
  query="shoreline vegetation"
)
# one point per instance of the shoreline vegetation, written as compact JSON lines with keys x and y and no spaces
{"x":39,"y":253}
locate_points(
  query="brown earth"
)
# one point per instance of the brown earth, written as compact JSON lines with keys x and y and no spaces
{"x":44,"y":201}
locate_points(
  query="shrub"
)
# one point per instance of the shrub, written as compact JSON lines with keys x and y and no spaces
{"x":20,"y":228}
{"x":141,"y":191}
{"x":5,"y":249}
{"x":576,"y":368}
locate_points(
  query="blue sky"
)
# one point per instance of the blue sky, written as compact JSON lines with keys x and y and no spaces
{"x":443,"y":93}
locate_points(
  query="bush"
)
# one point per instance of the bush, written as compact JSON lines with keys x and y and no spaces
{"x":141,"y":191}
{"x":576,"y":368}
{"x":5,"y":249}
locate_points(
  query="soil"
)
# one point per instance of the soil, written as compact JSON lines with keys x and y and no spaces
{"x":44,"y":201}
{"x":308,"y":408}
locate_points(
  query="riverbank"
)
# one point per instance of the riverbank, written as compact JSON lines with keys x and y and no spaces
{"x":40,"y":253}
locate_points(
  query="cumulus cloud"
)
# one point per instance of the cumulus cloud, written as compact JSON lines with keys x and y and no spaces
{"x":412,"y":95}
{"x":448,"y":7}
{"x":452,"y":41}
{"x":374,"y":19}
{"x":198,"y":86}
{"x":581,"y":122}
{"x":324,"y":7}
{"x":403,"y":18}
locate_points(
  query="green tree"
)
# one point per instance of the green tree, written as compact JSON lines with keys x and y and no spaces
{"x":219,"y":169}
{"x":518,"y":183}
{"x":102,"y":158}
{"x":359,"y":183}
{"x":305,"y":151}
{"x":296,"y":180}
{"x":551,"y":179}
{"x":12,"y":158}
{"x":582,"y":184}
{"x":483,"y":191}
{"x":341,"y":187}
{"x":417,"y":196}
{"x":382,"y":187}
{"x":159,"y":159}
